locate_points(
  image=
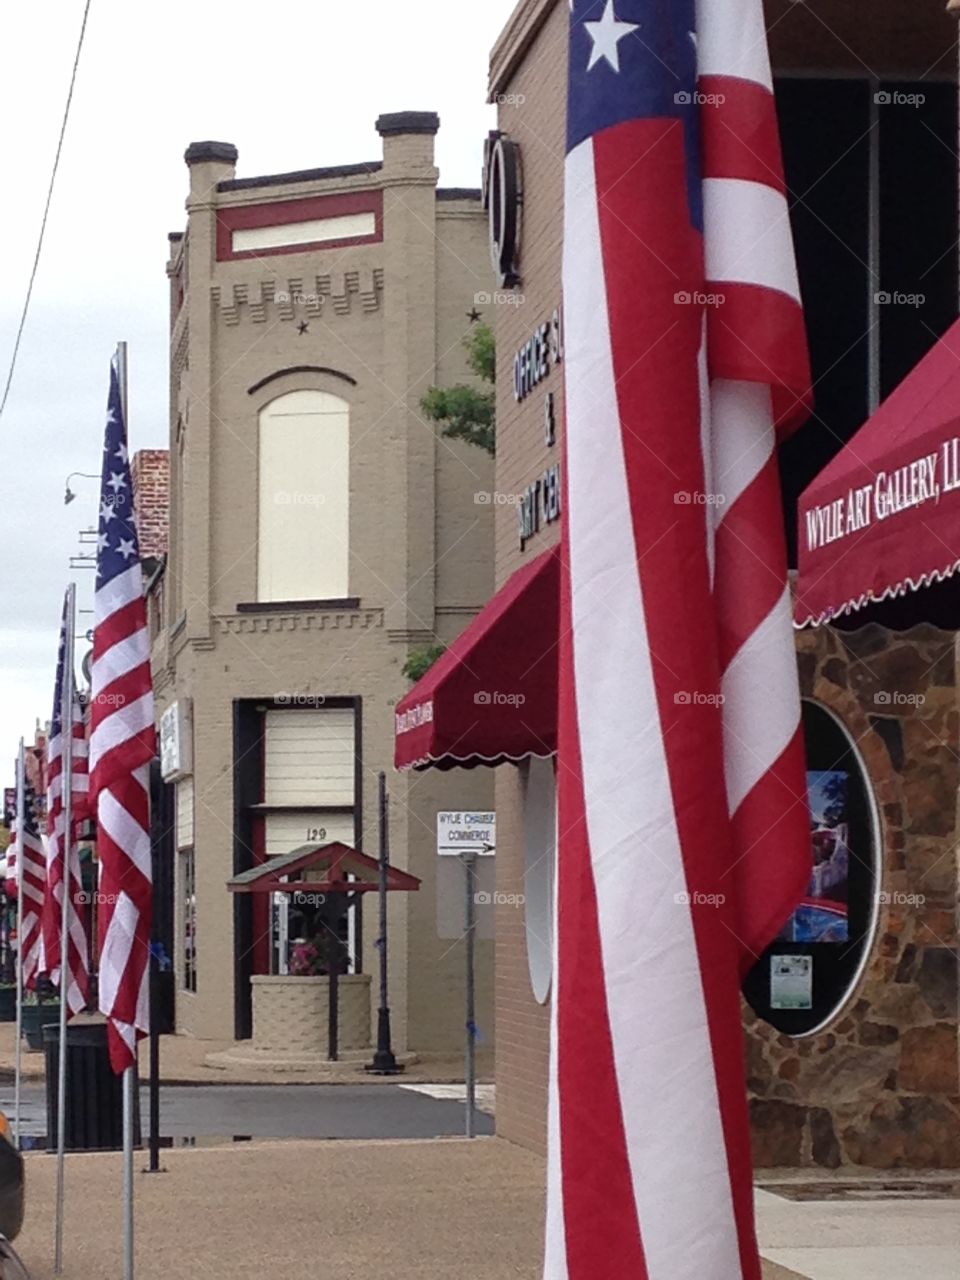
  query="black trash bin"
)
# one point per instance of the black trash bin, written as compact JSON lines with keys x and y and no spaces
{"x":94,"y":1110}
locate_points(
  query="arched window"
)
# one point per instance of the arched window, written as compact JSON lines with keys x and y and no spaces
{"x":304,"y":500}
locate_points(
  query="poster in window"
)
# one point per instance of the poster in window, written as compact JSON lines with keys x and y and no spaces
{"x":791,"y":982}
{"x":822,"y":915}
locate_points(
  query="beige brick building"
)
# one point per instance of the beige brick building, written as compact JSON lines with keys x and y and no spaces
{"x":320,"y":532}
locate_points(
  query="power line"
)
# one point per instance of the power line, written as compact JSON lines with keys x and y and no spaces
{"x":46,"y":211}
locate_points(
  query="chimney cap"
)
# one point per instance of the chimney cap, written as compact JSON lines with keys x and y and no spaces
{"x":399,"y":122}
{"x":174,"y":236}
{"x":221,"y":152}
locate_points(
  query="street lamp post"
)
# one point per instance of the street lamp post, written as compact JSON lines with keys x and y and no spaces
{"x":68,"y":494}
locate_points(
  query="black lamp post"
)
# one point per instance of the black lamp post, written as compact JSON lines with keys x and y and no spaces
{"x":384,"y":1063}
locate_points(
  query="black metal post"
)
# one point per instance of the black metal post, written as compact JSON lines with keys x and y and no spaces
{"x":384,"y":1063}
{"x":154,"y":1166}
{"x":333,"y":1022}
{"x":470,"y":931}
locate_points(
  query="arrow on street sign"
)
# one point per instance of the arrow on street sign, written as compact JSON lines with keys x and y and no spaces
{"x":465,"y":831}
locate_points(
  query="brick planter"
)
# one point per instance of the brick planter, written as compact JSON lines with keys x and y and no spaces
{"x":290,"y":1014}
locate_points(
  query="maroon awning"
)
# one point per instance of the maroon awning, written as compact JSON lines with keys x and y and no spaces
{"x":492,"y":697}
{"x":884,"y":517}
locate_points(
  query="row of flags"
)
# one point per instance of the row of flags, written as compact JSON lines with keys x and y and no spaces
{"x":112,"y":746}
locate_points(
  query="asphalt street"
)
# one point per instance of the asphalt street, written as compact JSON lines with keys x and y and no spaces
{"x":225,"y":1112}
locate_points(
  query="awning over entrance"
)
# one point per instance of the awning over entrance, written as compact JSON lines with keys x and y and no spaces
{"x":884,"y":517}
{"x":492,"y":697}
{"x":320,"y":868}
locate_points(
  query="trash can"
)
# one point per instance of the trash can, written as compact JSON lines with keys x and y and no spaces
{"x":94,"y":1107}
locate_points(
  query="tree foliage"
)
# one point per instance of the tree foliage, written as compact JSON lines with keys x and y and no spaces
{"x":421,"y":660}
{"x":469,"y":412}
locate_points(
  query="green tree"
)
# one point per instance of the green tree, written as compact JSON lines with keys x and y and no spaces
{"x":469,"y":412}
{"x":421,"y":660}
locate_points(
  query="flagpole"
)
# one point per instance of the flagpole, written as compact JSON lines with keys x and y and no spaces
{"x":66,"y":785}
{"x":21,"y":816}
{"x":128,"y":1075}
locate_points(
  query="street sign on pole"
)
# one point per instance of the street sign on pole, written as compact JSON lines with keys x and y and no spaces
{"x":463,"y":831}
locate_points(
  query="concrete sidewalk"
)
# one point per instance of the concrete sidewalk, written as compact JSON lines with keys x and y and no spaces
{"x":861,"y":1238}
{"x":441,"y":1210}
{"x":184,"y":1060}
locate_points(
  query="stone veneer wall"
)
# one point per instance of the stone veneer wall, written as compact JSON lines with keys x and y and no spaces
{"x":290,"y":1013}
{"x":879,"y":1086}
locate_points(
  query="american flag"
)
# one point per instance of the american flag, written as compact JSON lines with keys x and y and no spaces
{"x":59,"y":840}
{"x":122,"y":744}
{"x":682,"y":797}
{"x":27,"y":874}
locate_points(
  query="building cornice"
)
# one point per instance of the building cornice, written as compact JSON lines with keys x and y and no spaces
{"x":521,"y":30}
{"x":298,"y":620}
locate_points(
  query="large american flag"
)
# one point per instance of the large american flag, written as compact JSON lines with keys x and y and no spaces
{"x":684,"y":830}
{"x":61,"y":841}
{"x":26,"y":875}
{"x":122,"y":744}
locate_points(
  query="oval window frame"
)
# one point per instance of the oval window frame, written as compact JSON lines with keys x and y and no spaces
{"x":539,"y":872}
{"x":759,"y":976}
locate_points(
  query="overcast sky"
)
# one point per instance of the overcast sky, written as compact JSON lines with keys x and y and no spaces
{"x":293,"y":84}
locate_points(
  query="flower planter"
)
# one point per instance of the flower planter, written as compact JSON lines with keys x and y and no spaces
{"x":35,"y":1018}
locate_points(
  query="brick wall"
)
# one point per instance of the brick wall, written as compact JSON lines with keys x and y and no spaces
{"x":531,"y":113}
{"x":150,"y":470}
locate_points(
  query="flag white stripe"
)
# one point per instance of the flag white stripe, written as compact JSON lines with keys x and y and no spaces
{"x":124,"y":830}
{"x":732,"y":41}
{"x":709,"y":478}
{"x":124,"y":723}
{"x":682,"y":1188}
{"x":124,"y":656}
{"x":555,"y":1251}
{"x":761,"y":710}
{"x":743,"y":439}
{"x":118,"y":593}
{"x":117,"y":945}
{"x":756,"y":244}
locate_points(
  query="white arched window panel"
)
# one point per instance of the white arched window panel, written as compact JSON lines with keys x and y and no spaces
{"x":540,"y":862}
{"x":304,"y":498}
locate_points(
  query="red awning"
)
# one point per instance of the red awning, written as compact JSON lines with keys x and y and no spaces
{"x":884,"y":517}
{"x":492,"y":697}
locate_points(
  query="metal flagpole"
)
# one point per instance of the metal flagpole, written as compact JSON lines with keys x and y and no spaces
{"x":21,"y":816}
{"x":128,"y":1075}
{"x":66,"y":787}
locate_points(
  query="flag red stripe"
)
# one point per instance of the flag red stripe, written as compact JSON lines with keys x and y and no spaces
{"x":758,"y":335}
{"x":741,"y":138}
{"x":751,"y":555}
{"x":774,"y":815}
{"x":117,"y":626}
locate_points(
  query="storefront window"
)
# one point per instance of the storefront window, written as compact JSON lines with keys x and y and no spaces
{"x":188,"y":933}
{"x":309,"y":789}
{"x":187,"y":878}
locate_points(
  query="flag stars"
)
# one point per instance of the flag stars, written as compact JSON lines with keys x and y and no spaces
{"x":116,"y":482}
{"x":606,"y":36}
{"x":122,"y":453}
{"x":107,"y":512}
{"x":127,"y":548}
